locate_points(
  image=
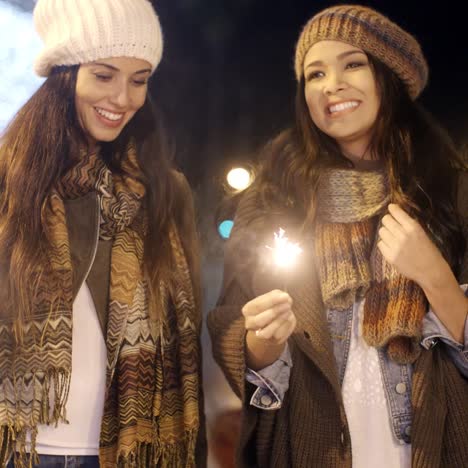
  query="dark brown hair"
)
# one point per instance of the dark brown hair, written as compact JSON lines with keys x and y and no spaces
{"x":418,"y":154}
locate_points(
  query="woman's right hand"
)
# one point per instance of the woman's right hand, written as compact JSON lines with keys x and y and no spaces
{"x":270,"y":321}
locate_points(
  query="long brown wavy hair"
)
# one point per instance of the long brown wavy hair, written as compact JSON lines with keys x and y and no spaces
{"x":418,"y":154}
{"x":40,"y":145}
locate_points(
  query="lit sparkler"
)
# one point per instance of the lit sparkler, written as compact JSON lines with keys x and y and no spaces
{"x":285,"y":253}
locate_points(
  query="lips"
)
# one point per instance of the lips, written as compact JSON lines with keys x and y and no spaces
{"x":108,"y":118}
{"x":343,"y":106}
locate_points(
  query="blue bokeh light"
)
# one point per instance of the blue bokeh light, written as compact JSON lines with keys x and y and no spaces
{"x":225,"y":228}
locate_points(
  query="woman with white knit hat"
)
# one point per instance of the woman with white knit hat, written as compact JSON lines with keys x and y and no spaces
{"x":99,"y":299}
{"x":362,"y":359}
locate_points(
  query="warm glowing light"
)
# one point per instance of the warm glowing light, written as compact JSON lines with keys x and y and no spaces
{"x":285,"y":253}
{"x":239,"y":178}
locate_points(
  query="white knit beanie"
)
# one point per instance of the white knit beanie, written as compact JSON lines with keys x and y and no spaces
{"x":82,"y":31}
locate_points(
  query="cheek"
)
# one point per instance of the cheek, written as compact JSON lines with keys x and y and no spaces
{"x":86,"y":96}
{"x":373,"y":92}
{"x":139,"y":99}
{"x":85,"y":90}
{"x":137,"y":102}
{"x":313,"y":105}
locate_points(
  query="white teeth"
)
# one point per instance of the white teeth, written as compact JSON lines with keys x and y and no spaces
{"x":109,"y":115}
{"x":342,"y":106}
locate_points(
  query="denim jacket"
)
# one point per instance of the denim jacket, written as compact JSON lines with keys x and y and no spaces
{"x":273,"y":381}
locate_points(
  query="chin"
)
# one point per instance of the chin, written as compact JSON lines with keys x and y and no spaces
{"x":106,"y":138}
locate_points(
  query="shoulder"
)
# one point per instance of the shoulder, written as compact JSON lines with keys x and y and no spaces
{"x":250,"y":206}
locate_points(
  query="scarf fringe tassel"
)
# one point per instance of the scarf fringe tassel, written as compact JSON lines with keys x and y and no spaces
{"x":180,"y":454}
{"x":48,"y":408}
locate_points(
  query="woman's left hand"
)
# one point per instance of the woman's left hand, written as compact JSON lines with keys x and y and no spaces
{"x":404,"y":244}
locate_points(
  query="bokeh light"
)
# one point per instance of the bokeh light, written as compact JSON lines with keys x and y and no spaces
{"x":225,"y":228}
{"x":239,"y":178}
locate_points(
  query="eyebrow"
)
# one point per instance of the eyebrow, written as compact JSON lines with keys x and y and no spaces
{"x":339,"y":57}
{"x":111,"y":67}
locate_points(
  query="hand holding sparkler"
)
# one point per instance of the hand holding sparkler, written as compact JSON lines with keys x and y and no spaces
{"x":269,"y":318}
{"x":270,"y":321}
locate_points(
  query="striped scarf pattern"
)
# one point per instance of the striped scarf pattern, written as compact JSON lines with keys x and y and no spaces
{"x":151,"y":413}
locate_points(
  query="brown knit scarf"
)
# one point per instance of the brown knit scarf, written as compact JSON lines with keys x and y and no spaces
{"x":351,"y":266}
{"x":151,"y":414}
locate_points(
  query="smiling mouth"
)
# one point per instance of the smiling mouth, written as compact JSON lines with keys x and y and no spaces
{"x":111,"y":117}
{"x":340,"y":107}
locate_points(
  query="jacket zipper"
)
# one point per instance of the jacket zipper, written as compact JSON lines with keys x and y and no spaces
{"x":96,"y":242}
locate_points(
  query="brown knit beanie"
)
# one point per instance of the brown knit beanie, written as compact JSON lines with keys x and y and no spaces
{"x":372,"y":32}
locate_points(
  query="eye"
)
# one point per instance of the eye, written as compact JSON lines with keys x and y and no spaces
{"x":140,"y":82}
{"x":356,"y":64}
{"x":313,"y":75}
{"x":103,"y":77}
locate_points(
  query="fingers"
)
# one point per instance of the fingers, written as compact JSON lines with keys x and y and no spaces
{"x":397,"y":225}
{"x":262,"y":319}
{"x":385,"y":250}
{"x":270,"y":316}
{"x":279,"y":330}
{"x":386,"y":236}
{"x":402,"y":217}
{"x":265,"y":302}
{"x":392,"y":225}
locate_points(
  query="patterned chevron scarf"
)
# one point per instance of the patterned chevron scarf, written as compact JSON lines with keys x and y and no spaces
{"x":351,"y":266}
{"x":151,"y":414}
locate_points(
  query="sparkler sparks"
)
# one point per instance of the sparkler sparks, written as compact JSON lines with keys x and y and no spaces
{"x":285,"y":253}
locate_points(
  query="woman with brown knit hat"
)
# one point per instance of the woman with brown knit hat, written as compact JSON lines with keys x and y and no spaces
{"x":99,"y":304}
{"x":357,"y":354}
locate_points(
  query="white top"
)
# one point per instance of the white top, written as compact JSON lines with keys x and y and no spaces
{"x":372,"y":440}
{"x":86,"y":398}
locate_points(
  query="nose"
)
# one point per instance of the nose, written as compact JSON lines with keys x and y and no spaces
{"x":121,"y":96}
{"x":334,"y":83}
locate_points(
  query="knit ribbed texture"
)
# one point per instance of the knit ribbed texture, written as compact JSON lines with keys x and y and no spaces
{"x":372,"y":32}
{"x":393,"y":312}
{"x":351,"y":266}
{"x":343,"y":252}
{"x":82,"y":31}
{"x":367,"y":189}
{"x":439,"y":398}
